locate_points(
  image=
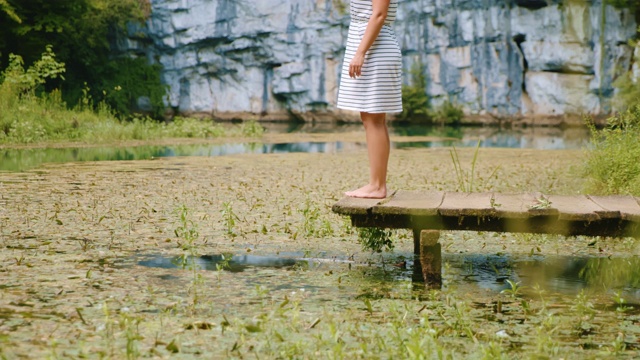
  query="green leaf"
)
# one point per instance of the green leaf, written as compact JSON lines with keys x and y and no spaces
{"x":173,"y":347}
{"x":253,"y":328}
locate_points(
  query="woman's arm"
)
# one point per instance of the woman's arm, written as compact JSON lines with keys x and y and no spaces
{"x":379,"y":15}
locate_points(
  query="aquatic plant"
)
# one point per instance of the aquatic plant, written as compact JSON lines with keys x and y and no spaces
{"x":224,"y":264}
{"x":375,"y":239}
{"x":187,"y":231}
{"x":251,"y":128}
{"x":229,"y":217}
{"x":514,"y":289}
{"x":466,"y":180}
{"x":51,"y":303}
{"x":314,"y":224}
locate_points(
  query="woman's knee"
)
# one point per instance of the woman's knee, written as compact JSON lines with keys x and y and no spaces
{"x":372,"y":116}
{"x":373,"y":120}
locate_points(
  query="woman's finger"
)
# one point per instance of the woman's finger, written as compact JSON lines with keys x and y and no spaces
{"x":354,"y":71}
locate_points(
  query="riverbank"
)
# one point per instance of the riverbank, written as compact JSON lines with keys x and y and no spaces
{"x":516,"y":121}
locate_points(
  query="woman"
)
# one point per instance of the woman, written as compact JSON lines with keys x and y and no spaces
{"x":371,"y":83}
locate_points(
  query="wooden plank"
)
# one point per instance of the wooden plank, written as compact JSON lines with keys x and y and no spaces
{"x":466,"y":204}
{"x":513,"y":206}
{"x":354,"y":206}
{"x":578,"y":208}
{"x":627,"y":206}
{"x":411,"y":203}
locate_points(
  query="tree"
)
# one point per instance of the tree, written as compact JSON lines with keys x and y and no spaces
{"x":82,"y":33}
{"x":8,"y":10}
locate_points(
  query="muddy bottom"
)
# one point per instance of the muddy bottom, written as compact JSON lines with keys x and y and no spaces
{"x":73,"y":285}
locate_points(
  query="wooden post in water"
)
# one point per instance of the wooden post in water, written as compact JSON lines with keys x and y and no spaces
{"x":428,"y":257}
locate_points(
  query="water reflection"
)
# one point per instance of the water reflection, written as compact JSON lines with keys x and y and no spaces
{"x":25,"y":159}
{"x":227,"y":262}
{"x":535,"y":138}
{"x":543,"y":138}
{"x":554,"y":274}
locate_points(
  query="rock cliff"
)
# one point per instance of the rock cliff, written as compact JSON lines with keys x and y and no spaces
{"x":281,"y":58}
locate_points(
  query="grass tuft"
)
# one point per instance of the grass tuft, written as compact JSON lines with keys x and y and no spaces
{"x":612,"y":165}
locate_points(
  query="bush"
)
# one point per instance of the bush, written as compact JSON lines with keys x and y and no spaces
{"x":624,"y":4}
{"x":83,"y":32}
{"x":415,"y":102}
{"x":123,"y":80}
{"x":613,"y":165}
{"x":447,"y":113}
{"x":18,"y":97}
{"x":28,"y":114}
{"x":416,"y":106}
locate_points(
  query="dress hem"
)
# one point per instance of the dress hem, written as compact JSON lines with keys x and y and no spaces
{"x":374,"y":111}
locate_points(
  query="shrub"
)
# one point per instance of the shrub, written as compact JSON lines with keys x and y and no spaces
{"x":628,"y":4}
{"x":28,"y":114}
{"x":123,"y":80}
{"x":415,"y":102}
{"x":447,"y":113}
{"x":416,"y":106}
{"x":627,"y":86}
{"x":83,"y":33}
{"x":612,"y":165}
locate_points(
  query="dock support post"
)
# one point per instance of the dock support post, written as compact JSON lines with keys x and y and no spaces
{"x":427,"y":266}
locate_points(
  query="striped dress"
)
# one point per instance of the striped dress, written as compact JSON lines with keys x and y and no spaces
{"x":379,"y":89}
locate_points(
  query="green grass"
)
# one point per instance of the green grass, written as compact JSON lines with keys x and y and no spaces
{"x":32,"y":119}
{"x":612,"y":165}
{"x":29,"y":114}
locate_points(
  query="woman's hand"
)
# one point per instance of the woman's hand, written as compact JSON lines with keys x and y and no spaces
{"x":376,"y":21}
{"x":355,"y":67}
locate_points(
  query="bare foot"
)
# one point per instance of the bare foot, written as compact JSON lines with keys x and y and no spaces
{"x":368,"y":192}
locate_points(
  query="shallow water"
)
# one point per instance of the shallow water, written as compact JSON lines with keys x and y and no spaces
{"x":75,"y":289}
{"x":565,"y":275}
{"x":534,"y":138}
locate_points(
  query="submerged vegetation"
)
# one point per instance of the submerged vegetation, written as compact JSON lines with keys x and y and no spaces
{"x":72,"y":239}
{"x":71,"y":235}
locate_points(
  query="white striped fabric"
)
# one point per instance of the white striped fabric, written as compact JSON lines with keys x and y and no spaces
{"x":379,"y":89}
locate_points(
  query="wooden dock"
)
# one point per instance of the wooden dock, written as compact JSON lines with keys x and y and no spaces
{"x":426,"y":213}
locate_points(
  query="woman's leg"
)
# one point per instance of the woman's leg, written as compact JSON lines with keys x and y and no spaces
{"x":375,"y":127}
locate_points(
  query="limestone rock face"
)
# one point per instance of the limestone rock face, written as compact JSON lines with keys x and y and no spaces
{"x":282,"y":58}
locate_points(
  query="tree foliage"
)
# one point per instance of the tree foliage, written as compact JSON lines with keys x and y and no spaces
{"x":83,"y":34}
{"x":632,"y":4}
{"x":8,"y":10}
{"x":29,"y":80}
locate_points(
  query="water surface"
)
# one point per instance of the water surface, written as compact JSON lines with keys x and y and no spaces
{"x":562,"y":275}
{"x":531,"y":138}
